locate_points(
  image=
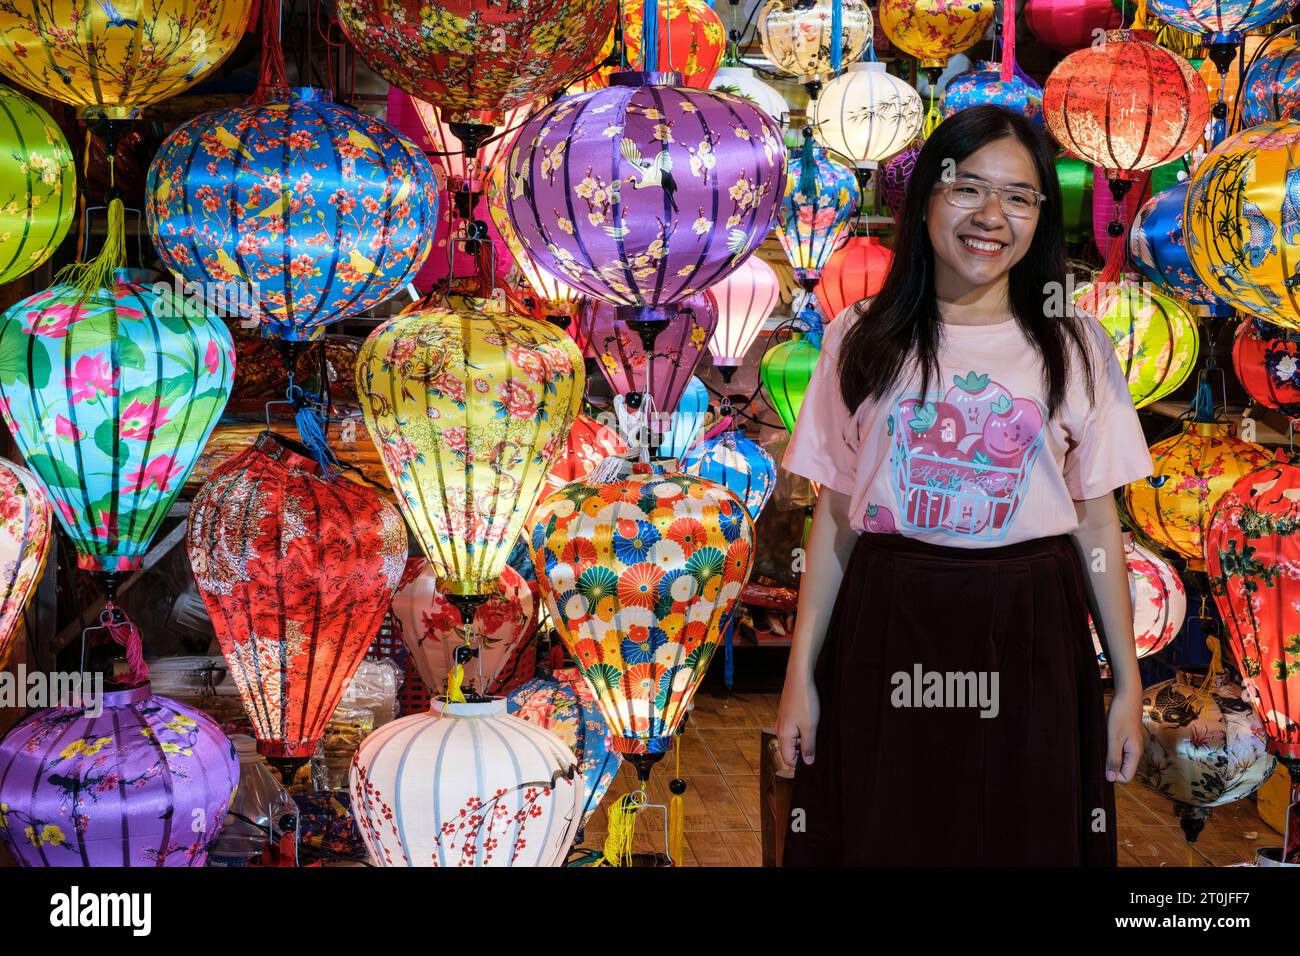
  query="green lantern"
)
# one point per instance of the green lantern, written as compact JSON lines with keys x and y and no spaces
{"x":1156,"y":339}
{"x":1075,"y":177}
{"x":786,"y":370}
{"x":38,"y":185}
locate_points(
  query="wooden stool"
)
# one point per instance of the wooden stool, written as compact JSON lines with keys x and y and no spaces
{"x":775,"y":781}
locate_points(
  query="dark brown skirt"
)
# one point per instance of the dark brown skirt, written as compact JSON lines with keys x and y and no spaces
{"x":896,"y":785}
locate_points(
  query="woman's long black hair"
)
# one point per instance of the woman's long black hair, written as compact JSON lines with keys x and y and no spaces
{"x":902,"y":323}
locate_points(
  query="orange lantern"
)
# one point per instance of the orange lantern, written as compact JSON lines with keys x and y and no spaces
{"x":692,"y":39}
{"x":1266,"y":359}
{"x":856,"y":271}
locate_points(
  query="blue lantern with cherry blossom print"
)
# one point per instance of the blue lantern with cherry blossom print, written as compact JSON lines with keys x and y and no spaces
{"x":821,"y":196}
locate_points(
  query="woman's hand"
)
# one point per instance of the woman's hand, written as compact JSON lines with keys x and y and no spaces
{"x":796,"y":721}
{"x":1124,"y":730}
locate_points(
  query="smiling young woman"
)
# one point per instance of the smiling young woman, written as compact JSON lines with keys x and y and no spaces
{"x":968,"y":438}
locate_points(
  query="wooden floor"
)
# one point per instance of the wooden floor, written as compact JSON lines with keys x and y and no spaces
{"x":720,"y":764}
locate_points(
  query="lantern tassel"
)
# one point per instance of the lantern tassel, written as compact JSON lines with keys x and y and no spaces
{"x":807,"y":166}
{"x":932,"y":117}
{"x":1008,"y":40}
{"x":1140,"y":16}
{"x":650,"y":35}
{"x":728,"y":659}
{"x":272,"y":82}
{"x":837,"y":37}
{"x":124,"y":632}
{"x":677,"y":811}
{"x":87,"y":277}
{"x":621,"y":821}
{"x":313,"y":436}
{"x":1212,"y":673}
{"x":455,"y":695}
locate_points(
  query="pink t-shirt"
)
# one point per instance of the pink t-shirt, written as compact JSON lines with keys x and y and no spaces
{"x":976,"y":465}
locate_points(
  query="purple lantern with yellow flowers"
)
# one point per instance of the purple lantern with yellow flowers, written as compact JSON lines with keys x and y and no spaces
{"x":141,"y":781}
{"x":821,"y":195}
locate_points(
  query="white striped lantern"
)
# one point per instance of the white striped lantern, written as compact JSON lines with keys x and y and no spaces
{"x":867,"y":115}
{"x":745,"y":300}
{"x":466,"y":785}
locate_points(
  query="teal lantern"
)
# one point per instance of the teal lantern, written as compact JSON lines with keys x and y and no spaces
{"x":692,"y":409}
{"x":821,"y":196}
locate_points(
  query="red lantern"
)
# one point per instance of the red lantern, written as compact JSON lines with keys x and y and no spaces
{"x":1266,"y":359}
{"x":856,"y":271}
{"x":1069,"y":25}
{"x":692,"y":39}
{"x":586,"y":446}
{"x":297,"y":572}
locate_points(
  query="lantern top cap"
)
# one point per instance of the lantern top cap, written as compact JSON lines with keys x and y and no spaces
{"x":1128,"y":36}
{"x":863,"y":66}
{"x":128,"y":695}
{"x":310,"y":94}
{"x":493,"y":707}
{"x":645,"y":78}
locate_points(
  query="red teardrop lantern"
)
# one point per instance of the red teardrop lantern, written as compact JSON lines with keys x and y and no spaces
{"x":297,"y":572}
{"x":856,"y":271}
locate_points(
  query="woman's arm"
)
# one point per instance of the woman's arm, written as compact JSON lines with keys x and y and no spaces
{"x":830,"y":544}
{"x":1101,"y":546}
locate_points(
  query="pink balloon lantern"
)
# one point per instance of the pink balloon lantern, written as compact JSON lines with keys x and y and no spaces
{"x":1069,"y":25}
{"x":1105,"y":209}
{"x":1159,"y":600}
{"x":448,"y":255}
{"x":745,"y":300}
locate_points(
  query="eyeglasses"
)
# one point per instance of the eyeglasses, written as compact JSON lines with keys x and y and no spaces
{"x":1016,"y":201}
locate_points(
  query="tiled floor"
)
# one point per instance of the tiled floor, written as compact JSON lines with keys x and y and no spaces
{"x":720,"y":754}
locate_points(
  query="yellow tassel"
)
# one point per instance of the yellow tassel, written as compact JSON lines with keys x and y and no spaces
{"x":677,"y":812}
{"x":1212,"y":673}
{"x":933,"y":118}
{"x":454,"y":694}
{"x":87,"y":277}
{"x":621,"y":819}
{"x":1140,"y":16}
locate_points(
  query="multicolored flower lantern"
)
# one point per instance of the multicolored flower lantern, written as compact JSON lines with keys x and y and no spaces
{"x":25,"y":534}
{"x":629,"y":366}
{"x":324,"y":211}
{"x":587,"y":444}
{"x":1204,"y":748}
{"x":123,"y":56}
{"x":933,"y":30}
{"x":477,"y":59}
{"x":1271,"y":89}
{"x":1193,"y":470}
{"x":1158,"y":247}
{"x":1126,"y":105}
{"x":136,"y":780}
{"x":1158,"y":596}
{"x":503,"y":630}
{"x":552,"y":297}
{"x":465,"y":785}
{"x":746,"y":299}
{"x":785,"y":372}
{"x":111,"y":396}
{"x":470,"y":409}
{"x":688,"y":419}
{"x":867,"y":114}
{"x":692,"y":39}
{"x":799,"y":37}
{"x":985,"y":84}
{"x":742,"y":81}
{"x":642,"y":195}
{"x":640,"y":574}
{"x":737,"y":462}
{"x":297,"y":573}
{"x":856,"y":271}
{"x":1242,"y":224}
{"x":563,"y":704}
{"x":38,"y":185}
{"x":821,"y":196}
{"x":1156,"y":340}
{"x":1221,"y":23}
{"x":1266,"y":360}
{"x":1067,"y":25}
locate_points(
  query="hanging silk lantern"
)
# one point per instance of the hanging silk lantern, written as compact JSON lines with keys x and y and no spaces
{"x":743,"y":82}
{"x":461,"y":168}
{"x":1157,"y":246}
{"x":1068,"y":25}
{"x":1158,"y":597}
{"x":692,"y":40}
{"x":985,"y":84}
{"x":798,"y":37}
{"x":126,"y":55}
{"x":138,"y":780}
{"x":746,"y":299}
{"x":553,"y":297}
{"x":1272,"y":84}
{"x":503,"y":627}
{"x":821,"y":196}
{"x":856,"y":271}
{"x":469,"y":409}
{"x":785,"y":372}
{"x":1222,"y":24}
{"x":640,"y":575}
{"x":473,"y":58}
{"x":587,"y":444}
{"x":1266,"y":360}
{"x":736,"y":462}
{"x":563,"y":704}
{"x":465,"y":785}
{"x":38,"y":185}
{"x":297,"y":573}
{"x":1125,"y":105}
{"x":1192,"y":471}
{"x":642,"y":195}
{"x":1203,"y":747}
{"x":895,"y":176}
{"x":1250,"y":548}
{"x":1156,"y":340}
{"x":1075,"y":177}
{"x":934,"y":30}
{"x":25,"y":534}
{"x":867,"y":114}
{"x":688,"y":419}
{"x":324,"y":211}
{"x":111,"y":396}
{"x":1242,"y":226}
{"x":629,"y":366}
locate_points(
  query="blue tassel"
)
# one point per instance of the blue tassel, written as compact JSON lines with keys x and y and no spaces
{"x":807,"y":167}
{"x":650,"y":35}
{"x":313,"y":436}
{"x":813,"y":320}
{"x":1203,"y":403}
{"x":728,"y":661}
{"x":837,"y":34}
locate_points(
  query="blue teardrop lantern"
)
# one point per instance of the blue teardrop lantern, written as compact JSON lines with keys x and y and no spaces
{"x":1159,"y":249}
